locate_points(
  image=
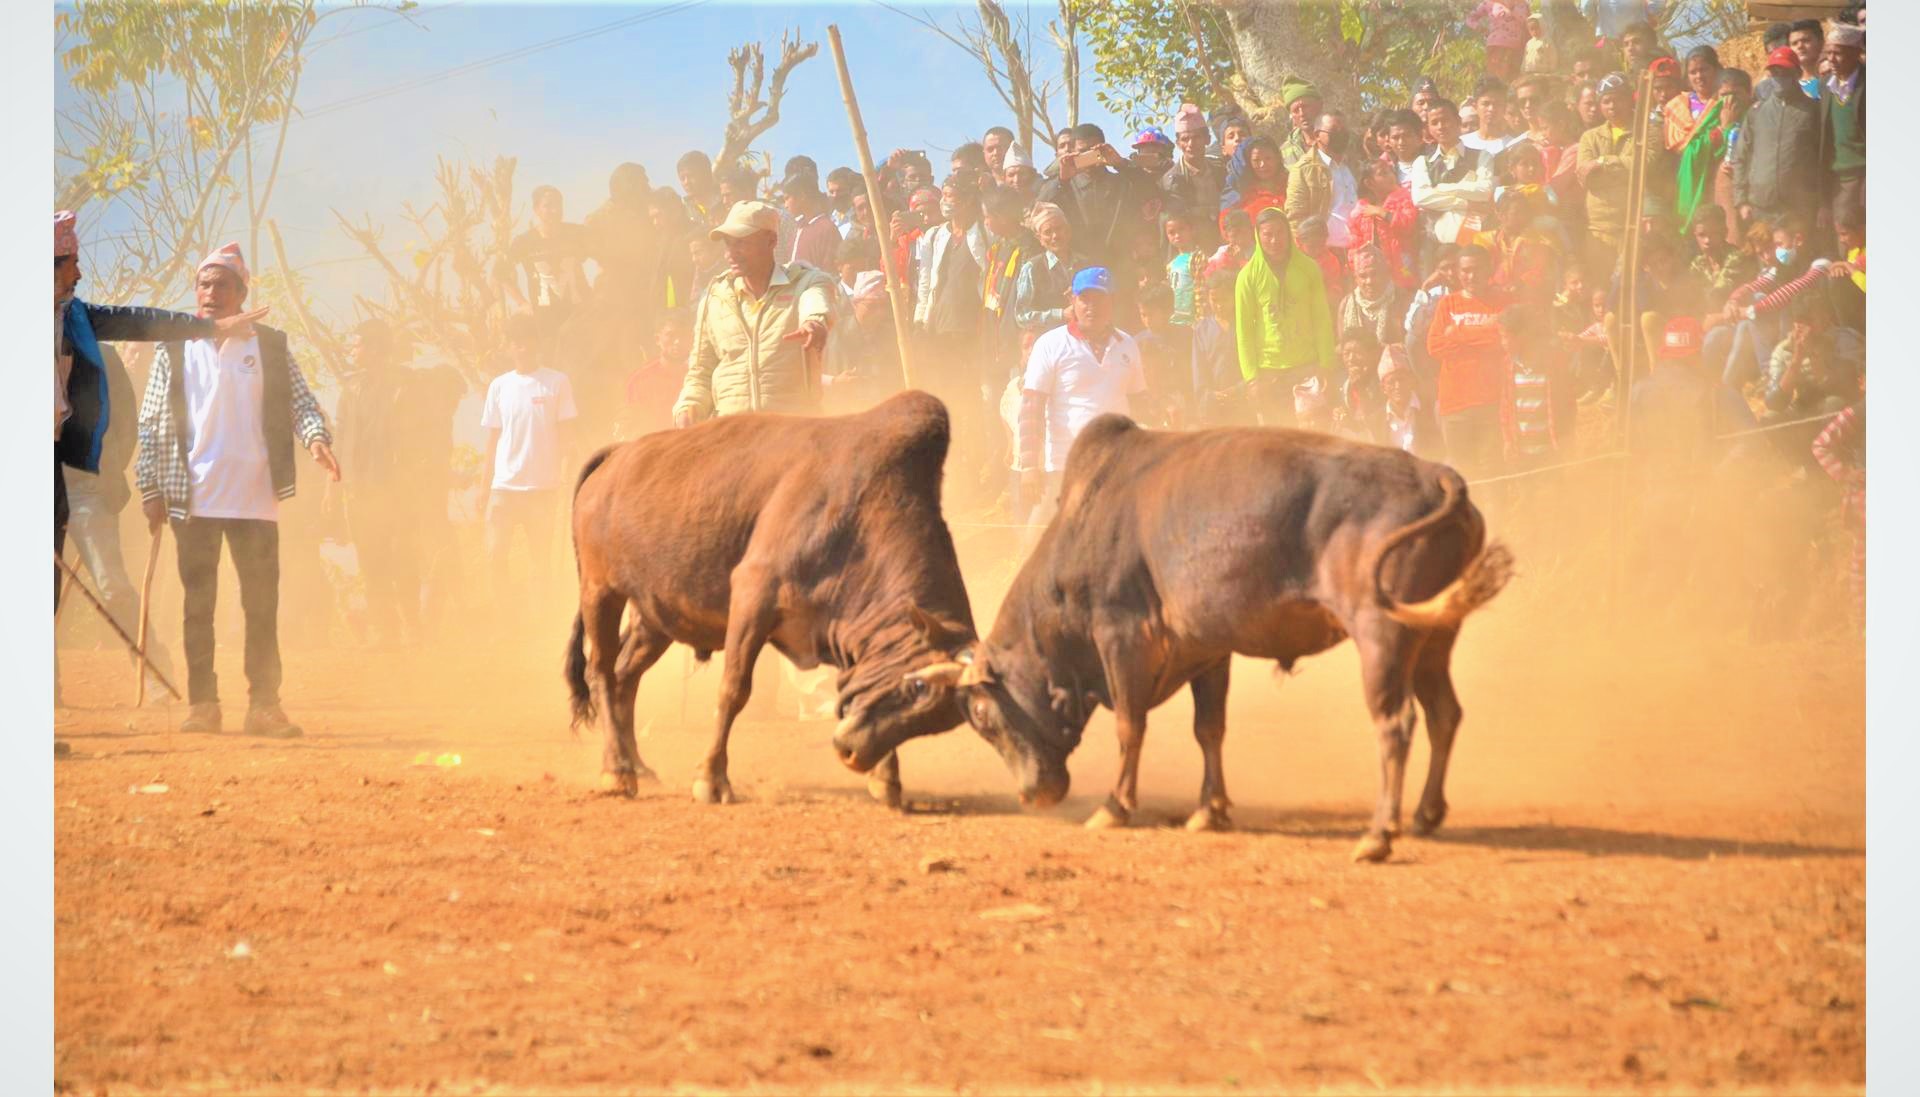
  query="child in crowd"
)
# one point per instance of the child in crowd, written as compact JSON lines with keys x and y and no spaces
{"x":1503,"y":23}
{"x":1386,"y":218}
{"x":1166,"y":350}
{"x":1183,"y":270}
{"x":1408,"y":426}
{"x":1219,"y":392}
{"x":1360,"y":410}
{"x":1540,"y":55}
{"x":654,"y":385}
{"x":1720,"y":266}
{"x":1311,"y":236}
{"x":1237,"y":226}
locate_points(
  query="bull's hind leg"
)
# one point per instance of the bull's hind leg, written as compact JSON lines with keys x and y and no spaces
{"x":883,"y":784}
{"x":1387,"y":653}
{"x":1433,"y":685}
{"x":749,"y":623}
{"x":1210,"y":728}
{"x":600,"y":614}
{"x":642,"y":649}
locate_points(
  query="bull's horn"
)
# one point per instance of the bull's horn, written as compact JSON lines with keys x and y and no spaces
{"x":974,"y":675}
{"x":940,"y":674}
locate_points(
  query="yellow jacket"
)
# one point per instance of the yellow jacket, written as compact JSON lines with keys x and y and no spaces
{"x":742,"y":359}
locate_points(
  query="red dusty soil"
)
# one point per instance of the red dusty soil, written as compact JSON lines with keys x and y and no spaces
{"x":1653,"y":879}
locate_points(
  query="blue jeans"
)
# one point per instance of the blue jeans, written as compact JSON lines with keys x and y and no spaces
{"x":1741,"y":351}
{"x":95,"y":533}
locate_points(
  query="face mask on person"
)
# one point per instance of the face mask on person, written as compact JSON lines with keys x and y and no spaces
{"x":1784,"y":255}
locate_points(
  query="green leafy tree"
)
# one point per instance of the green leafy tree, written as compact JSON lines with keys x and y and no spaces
{"x":1152,"y":55}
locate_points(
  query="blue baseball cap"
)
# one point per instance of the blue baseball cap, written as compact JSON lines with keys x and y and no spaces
{"x":1092,"y":278}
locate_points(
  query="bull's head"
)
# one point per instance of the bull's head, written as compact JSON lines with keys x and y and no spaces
{"x":1033,"y":723}
{"x":908,"y":691}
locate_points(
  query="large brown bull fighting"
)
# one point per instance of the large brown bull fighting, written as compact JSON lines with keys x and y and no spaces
{"x":1173,"y":552}
{"x":821,"y":536}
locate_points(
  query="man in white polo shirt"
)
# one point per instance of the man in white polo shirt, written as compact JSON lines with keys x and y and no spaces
{"x":526,"y":441}
{"x":1075,"y":374}
{"x":218,"y":428}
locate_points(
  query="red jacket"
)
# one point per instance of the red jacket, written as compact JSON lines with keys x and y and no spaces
{"x":1393,"y":235}
{"x":1465,"y":341}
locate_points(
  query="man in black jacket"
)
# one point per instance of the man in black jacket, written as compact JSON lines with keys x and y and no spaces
{"x":82,"y":396}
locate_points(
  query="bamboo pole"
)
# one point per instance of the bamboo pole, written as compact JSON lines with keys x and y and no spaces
{"x":1630,"y":331}
{"x":1630,"y":281}
{"x":896,"y":285}
{"x":74,"y":583}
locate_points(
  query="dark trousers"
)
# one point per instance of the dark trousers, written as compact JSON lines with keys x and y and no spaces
{"x":59,"y":523}
{"x":386,"y":537}
{"x":534,"y":514}
{"x":255,"y":547}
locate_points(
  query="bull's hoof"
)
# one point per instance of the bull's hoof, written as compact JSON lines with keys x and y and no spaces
{"x":1209,"y":818}
{"x":712,"y":790}
{"x":1109,"y":817}
{"x":615,"y":783}
{"x":887,"y":792}
{"x":1375,"y":847}
{"x":1425,"y":822}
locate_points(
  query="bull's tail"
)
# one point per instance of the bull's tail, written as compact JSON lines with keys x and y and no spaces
{"x":576,"y":673}
{"x":1477,"y":584}
{"x":576,"y":663}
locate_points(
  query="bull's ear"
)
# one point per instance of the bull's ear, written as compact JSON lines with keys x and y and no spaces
{"x":937,"y":631}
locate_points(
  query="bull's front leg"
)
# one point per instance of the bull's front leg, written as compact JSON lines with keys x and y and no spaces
{"x":1127,"y":683}
{"x":1210,"y":729}
{"x":749,"y":623}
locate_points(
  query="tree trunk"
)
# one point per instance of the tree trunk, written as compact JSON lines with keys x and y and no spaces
{"x":1273,"y":45}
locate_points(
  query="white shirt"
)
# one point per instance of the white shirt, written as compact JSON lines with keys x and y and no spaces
{"x":1080,"y":387}
{"x":1492,"y":146}
{"x":527,"y":409}
{"x":1346,"y":194}
{"x":227,"y":464}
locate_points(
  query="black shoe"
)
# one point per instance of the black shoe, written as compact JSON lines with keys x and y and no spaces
{"x":269,"y":722}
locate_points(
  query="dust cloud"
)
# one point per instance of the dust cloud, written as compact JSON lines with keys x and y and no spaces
{"x":1632,"y":663}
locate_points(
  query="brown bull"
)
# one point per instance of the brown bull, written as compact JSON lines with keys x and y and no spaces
{"x":1172,"y":552}
{"x":820,"y":536}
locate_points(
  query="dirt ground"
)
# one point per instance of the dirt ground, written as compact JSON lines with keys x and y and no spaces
{"x":1653,"y":878}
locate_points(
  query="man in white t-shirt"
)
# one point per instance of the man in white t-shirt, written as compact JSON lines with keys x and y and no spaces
{"x":1074,"y":375}
{"x":526,"y":448}
{"x":218,"y":433}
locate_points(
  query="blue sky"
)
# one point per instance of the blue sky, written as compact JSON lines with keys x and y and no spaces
{"x":645,"y":93}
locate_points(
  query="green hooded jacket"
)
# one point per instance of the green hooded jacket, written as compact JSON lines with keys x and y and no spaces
{"x":1281,"y":318}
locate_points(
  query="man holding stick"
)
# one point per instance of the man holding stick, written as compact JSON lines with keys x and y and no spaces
{"x":217,"y":431}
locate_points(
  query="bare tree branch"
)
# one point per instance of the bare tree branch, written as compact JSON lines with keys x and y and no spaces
{"x":748,"y":115}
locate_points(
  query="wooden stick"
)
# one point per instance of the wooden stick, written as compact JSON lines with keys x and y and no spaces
{"x":1637,"y":199}
{"x":146,"y":611}
{"x":896,"y":286}
{"x":74,"y":583}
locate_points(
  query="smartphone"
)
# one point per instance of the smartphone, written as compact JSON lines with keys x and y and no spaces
{"x":1088,"y":159}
